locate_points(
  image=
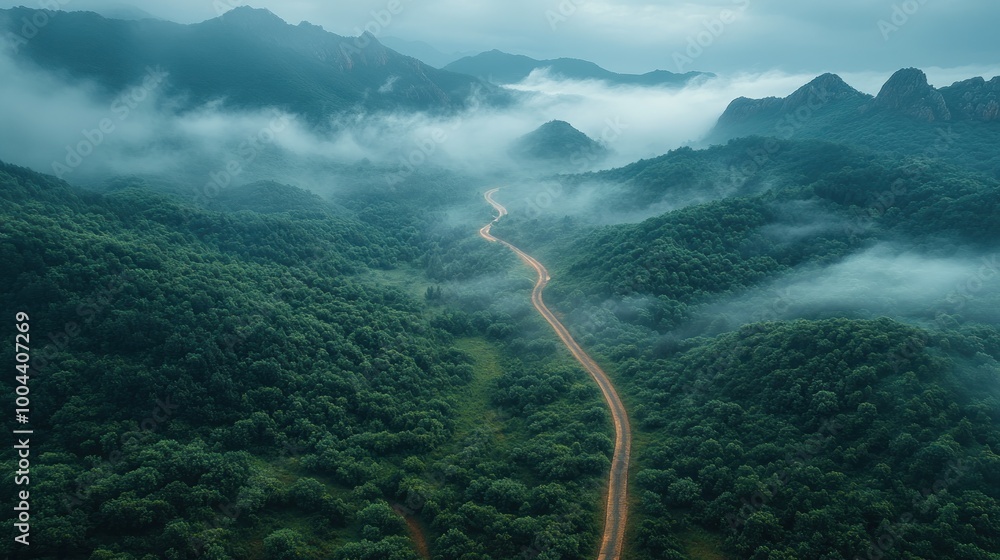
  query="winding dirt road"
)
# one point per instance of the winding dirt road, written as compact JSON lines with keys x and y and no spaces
{"x":617,"y":507}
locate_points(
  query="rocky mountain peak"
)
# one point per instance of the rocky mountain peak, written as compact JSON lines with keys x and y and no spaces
{"x":833,"y":85}
{"x":908,"y":92}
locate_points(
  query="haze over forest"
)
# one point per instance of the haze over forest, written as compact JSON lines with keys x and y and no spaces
{"x":578,"y":279}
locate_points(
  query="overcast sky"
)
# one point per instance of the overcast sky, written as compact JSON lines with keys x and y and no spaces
{"x":810,"y":36}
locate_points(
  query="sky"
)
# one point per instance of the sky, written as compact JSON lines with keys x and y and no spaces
{"x":721,"y":36}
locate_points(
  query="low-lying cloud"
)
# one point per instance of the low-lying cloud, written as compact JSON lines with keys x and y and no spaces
{"x":76,"y":131}
{"x":885,"y":280}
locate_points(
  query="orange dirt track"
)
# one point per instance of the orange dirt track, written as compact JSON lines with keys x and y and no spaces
{"x":617,"y":506}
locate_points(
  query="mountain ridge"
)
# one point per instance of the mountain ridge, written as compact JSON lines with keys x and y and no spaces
{"x":960,"y":122}
{"x":906,"y":92}
{"x":249,"y":58}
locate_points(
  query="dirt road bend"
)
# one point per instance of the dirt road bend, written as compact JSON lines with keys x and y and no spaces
{"x":617,"y":507}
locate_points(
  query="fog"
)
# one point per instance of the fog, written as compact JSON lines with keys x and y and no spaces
{"x":649,"y":121}
{"x":74,"y":130}
{"x":78,"y":132}
{"x":932,"y":290}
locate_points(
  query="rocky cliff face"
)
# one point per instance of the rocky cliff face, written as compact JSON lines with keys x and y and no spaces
{"x":974,"y":99}
{"x":908,"y":92}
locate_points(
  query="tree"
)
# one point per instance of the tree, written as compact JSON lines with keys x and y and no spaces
{"x":284,"y":544}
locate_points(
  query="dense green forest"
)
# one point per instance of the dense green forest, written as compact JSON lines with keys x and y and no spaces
{"x":822,"y":439}
{"x":669,"y":265}
{"x":235,"y":384}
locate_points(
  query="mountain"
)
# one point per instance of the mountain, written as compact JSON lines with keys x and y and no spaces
{"x":250,"y":58}
{"x":557,"y":141}
{"x":502,"y":68}
{"x":907,"y":92}
{"x":422,"y":51}
{"x":960,"y":122}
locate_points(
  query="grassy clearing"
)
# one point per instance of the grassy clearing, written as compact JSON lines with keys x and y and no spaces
{"x":474,"y":408}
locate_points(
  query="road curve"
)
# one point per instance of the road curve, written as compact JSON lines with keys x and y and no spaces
{"x":617,"y":506}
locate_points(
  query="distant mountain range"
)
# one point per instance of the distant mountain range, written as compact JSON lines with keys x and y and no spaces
{"x":248,"y":57}
{"x":908,"y":116}
{"x":502,"y":68}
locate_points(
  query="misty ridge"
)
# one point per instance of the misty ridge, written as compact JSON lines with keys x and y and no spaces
{"x":158,"y":129}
